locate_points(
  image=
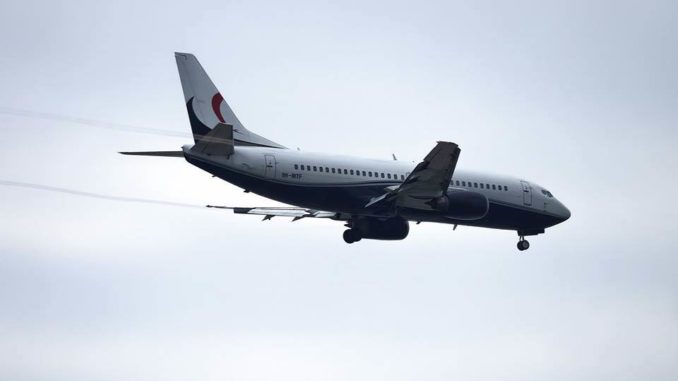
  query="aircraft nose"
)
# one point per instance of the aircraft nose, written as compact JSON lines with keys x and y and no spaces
{"x":563,"y":212}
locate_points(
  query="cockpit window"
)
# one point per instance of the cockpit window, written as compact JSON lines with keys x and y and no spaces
{"x":547,"y":193}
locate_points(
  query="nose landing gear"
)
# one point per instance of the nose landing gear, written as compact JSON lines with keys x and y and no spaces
{"x":523,"y":244}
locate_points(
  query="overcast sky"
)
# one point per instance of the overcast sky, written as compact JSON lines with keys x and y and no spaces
{"x":578,"y":96}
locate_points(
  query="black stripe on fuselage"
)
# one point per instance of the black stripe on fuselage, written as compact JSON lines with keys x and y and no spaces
{"x":348,"y":198}
{"x":351,"y":198}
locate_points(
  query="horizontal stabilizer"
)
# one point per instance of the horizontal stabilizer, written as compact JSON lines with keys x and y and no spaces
{"x":155,"y":153}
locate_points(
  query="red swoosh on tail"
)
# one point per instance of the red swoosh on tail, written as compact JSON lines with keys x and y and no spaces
{"x":216,"y":106}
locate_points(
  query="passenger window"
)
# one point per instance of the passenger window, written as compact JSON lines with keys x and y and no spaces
{"x":402,"y":177}
{"x":345,"y":172}
{"x":475,"y":185}
{"x":493,"y":187}
{"x":505,"y":188}
{"x":296,"y":166}
{"x":315,"y":169}
{"x":382,"y":175}
{"x":321,"y":169}
{"x":369,"y":174}
{"x":327,"y":170}
{"x":388,"y":175}
{"x":351,"y":172}
{"x":302,"y":167}
{"x":334,"y":170}
{"x":481,"y":186}
{"x":364,"y":174}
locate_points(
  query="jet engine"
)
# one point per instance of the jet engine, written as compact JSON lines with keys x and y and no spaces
{"x":462,"y":205}
{"x":373,"y":228}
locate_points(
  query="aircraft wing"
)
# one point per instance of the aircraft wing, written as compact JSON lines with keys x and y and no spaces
{"x":268,"y":213}
{"x":428,"y":180}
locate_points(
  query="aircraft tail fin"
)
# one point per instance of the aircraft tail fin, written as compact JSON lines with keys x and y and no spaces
{"x":207,"y":107}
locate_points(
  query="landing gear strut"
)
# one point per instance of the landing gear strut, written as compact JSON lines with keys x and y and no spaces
{"x":352,"y":235}
{"x":523,"y":244}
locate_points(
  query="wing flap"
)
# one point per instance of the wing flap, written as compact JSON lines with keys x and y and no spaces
{"x":268,"y":213}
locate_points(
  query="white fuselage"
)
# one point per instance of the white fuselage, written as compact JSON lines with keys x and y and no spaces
{"x":286,"y":173}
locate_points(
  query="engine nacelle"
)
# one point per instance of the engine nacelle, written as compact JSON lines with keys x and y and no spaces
{"x":462,"y":205}
{"x":373,"y":228}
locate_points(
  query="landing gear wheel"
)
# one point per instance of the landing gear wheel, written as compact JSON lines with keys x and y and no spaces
{"x":523,"y":245}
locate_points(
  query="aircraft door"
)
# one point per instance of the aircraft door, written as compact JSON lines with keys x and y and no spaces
{"x":527,"y":193}
{"x":270,"y":166}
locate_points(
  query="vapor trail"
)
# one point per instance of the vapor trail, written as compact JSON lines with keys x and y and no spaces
{"x":95,"y":195}
{"x":92,"y":122}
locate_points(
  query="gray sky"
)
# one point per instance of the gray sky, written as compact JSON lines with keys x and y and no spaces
{"x":579,"y":96}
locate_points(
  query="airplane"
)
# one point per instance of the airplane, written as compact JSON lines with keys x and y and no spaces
{"x":375,"y":199}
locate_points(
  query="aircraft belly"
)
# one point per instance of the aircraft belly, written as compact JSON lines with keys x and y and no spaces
{"x":499,"y":216}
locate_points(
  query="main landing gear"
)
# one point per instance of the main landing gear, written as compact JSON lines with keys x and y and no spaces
{"x":523,"y":244}
{"x":352,"y":235}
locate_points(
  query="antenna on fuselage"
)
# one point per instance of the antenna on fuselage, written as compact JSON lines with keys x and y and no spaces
{"x":394,"y":156}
